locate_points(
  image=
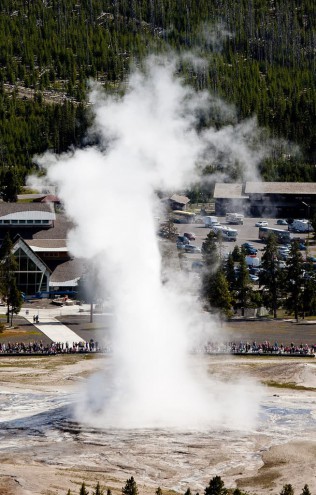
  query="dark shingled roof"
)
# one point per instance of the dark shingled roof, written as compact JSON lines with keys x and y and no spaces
{"x":61,"y":227}
{"x":47,"y":243}
{"x":230,"y":191}
{"x":69,"y":270}
{"x":7,"y":208}
{"x":180,"y":199}
{"x":280,"y":188}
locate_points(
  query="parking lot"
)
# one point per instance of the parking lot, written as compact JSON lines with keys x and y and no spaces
{"x":247,"y":232}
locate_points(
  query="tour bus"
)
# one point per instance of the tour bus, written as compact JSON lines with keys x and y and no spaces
{"x":282,"y":236}
{"x":180,"y":216}
{"x":228,"y":234}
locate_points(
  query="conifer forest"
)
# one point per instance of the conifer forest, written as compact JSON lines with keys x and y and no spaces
{"x":259,"y":56}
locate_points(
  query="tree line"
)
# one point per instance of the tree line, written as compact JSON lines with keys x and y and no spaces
{"x":259,"y":55}
{"x":216,"y":486}
{"x":226,"y":284}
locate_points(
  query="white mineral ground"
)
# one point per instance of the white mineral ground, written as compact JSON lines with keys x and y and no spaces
{"x":42,"y":451}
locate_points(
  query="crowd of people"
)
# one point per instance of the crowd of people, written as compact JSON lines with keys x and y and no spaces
{"x":38,"y":347}
{"x":254,"y":348}
{"x":264,"y":348}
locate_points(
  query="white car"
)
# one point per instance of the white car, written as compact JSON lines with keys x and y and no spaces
{"x":262,"y":223}
{"x":189,"y":248}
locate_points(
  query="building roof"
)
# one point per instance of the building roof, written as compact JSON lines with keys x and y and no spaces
{"x":229,"y":191}
{"x":183,"y":200}
{"x":26,"y":211}
{"x":48,"y":245}
{"x":61,"y":227}
{"x":67,"y":273}
{"x":280,"y":188}
{"x":30,"y":196}
{"x":49,"y":198}
{"x":7,"y":208}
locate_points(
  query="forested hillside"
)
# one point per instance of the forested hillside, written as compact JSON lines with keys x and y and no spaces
{"x":259,"y":55}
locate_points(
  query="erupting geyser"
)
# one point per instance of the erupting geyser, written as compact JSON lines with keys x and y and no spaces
{"x":148,"y":142}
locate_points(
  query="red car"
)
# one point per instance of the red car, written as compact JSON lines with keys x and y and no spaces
{"x":190,"y":236}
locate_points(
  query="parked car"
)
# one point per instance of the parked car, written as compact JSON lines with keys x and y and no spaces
{"x":282,"y":221}
{"x":247,"y":244}
{"x":189,"y":248}
{"x":262,"y":223}
{"x":249,"y":248}
{"x":180,"y":245}
{"x":183,"y":239}
{"x":283,"y":255}
{"x":253,"y":278}
{"x":302,"y":246}
{"x":284,"y":248}
{"x":284,"y":252}
{"x":189,"y":235}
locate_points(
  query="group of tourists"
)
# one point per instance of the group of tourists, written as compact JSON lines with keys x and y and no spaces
{"x":264,"y":348}
{"x":38,"y":347}
{"x":254,"y":348}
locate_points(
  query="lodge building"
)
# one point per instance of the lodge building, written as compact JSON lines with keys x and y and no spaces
{"x":40,"y":247}
{"x":272,"y":199}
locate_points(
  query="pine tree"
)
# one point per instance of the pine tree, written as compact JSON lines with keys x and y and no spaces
{"x":83,"y":490}
{"x":230,"y":273}
{"x":130,"y":487}
{"x":209,"y":251}
{"x":306,"y":490}
{"x":10,"y":186}
{"x":159,"y":491}
{"x":243,"y":284}
{"x":8,"y":266}
{"x":98,"y":490}
{"x":216,"y":487}
{"x":236,"y":254}
{"x":188,"y":492}
{"x":168,"y":230}
{"x":294,"y":280}
{"x":218,"y":293}
{"x":14,"y":300}
{"x":287,"y":490}
{"x":211,"y":267}
{"x":270,"y":276}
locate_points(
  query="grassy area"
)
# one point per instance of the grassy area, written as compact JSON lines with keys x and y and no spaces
{"x":288,"y":385}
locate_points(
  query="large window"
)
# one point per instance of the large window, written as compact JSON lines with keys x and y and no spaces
{"x":30,"y":278}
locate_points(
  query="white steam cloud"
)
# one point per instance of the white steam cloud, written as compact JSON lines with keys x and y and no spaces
{"x":148,"y":142}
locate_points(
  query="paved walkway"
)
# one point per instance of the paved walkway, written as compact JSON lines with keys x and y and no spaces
{"x":50,"y":326}
{"x":55,"y":330}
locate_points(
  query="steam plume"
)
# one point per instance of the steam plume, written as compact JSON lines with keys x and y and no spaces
{"x":148,"y":142}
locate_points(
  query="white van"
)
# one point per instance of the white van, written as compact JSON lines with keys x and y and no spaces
{"x":235,"y":218}
{"x":209,"y":221}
